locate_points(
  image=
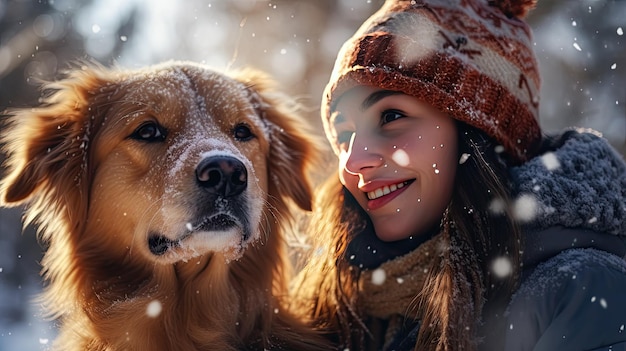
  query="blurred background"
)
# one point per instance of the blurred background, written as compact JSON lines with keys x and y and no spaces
{"x":580,"y":45}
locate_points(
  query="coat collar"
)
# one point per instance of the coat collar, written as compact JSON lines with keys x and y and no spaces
{"x":578,"y":182}
{"x":574,"y":196}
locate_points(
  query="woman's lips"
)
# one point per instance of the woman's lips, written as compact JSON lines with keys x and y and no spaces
{"x":381,"y":196}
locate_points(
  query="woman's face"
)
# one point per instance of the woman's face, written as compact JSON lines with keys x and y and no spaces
{"x":397,"y":156}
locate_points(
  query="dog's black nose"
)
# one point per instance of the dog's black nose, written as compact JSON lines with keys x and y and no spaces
{"x":223,"y":175}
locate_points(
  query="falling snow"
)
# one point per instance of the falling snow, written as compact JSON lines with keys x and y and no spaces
{"x":497,"y":206}
{"x":525,"y":208}
{"x":463,"y":158}
{"x":400,"y":157}
{"x":502,"y":267}
{"x":154,"y":309}
{"x":379,"y":276}
{"x":550,"y":161}
{"x":594,"y":111}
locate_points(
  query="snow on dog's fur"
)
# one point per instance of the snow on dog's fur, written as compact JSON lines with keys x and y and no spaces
{"x":163,"y":198}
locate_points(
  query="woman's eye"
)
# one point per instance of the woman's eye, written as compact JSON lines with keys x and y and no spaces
{"x":390,"y":116}
{"x":150,"y":132}
{"x":242,"y":132}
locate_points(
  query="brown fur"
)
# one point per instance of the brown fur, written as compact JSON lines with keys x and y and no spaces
{"x":98,"y":194}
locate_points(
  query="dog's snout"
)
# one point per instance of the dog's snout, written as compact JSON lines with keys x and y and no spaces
{"x":223,"y":175}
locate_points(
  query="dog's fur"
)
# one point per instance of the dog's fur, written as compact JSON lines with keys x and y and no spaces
{"x":157,"y":237}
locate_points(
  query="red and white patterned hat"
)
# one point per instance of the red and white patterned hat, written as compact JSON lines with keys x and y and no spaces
{"x":472,"y":59}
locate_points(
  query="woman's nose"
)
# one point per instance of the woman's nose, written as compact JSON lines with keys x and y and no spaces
{"x":361,"y":155}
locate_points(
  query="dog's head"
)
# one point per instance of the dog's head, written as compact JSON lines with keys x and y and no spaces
{"x":168,"y":162}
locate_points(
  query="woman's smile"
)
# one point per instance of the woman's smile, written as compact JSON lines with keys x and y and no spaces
{"x":381,"y":196}
{"x":385,"y":190}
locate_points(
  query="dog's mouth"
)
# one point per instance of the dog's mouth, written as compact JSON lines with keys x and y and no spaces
{"x":219,"y":222}
{"x":159,"y":244}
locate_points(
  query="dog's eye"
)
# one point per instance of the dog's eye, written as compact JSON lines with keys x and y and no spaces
{"x":242,"y":132}
{"x":150,"y":132}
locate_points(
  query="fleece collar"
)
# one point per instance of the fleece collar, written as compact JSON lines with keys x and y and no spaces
{"x":578,"y":182}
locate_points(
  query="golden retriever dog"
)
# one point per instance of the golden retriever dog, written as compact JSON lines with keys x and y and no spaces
{"x":163,"y":197}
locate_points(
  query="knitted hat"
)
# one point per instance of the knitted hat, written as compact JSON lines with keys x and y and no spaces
{"x":472,"y":59}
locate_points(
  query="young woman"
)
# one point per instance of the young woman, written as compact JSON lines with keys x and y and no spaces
{"x":452,"y":223}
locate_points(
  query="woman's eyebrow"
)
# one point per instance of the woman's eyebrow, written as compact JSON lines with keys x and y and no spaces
{"x":377,"y":96}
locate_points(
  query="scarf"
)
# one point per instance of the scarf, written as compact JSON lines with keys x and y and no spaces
{"x":392,"y":291}
{"x":392,"y":288}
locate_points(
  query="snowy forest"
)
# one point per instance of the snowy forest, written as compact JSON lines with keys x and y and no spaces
{"x":580,"y":44}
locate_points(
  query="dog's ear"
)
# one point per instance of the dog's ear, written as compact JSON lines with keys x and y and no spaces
{"x":47,"y":146}
{"x":295,"y":150}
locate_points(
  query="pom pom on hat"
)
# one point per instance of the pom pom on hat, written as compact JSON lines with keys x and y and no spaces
{"x":472,"y":59}
{"x":512,"y":8}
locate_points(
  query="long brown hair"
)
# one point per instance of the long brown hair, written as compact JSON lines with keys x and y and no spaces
{"x":326,"y":288}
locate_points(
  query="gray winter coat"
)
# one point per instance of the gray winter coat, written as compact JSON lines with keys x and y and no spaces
{"x":573,"y":292}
